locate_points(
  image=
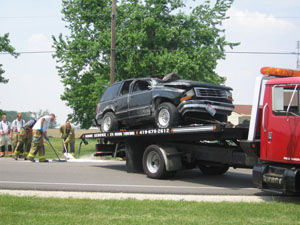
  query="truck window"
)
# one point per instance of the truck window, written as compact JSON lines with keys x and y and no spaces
{"x":110,"y":92}
{"x":125,"y":88}
{"x":286,"y":101}
{"x":141,"y":85}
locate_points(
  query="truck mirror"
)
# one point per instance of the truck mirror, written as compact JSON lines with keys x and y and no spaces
{"x":277,"y":99}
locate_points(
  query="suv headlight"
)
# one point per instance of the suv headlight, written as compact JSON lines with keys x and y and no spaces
{"x":229,"y":95}
{"x":188,"y":95}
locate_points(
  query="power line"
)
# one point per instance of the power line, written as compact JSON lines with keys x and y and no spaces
{"x":226,"y":52}
{"x":27,"y":17}
{"x":97,"y":15}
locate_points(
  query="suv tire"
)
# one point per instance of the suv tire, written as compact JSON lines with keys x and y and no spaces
{"x":109,"y":122}
{"x":166,"y":115}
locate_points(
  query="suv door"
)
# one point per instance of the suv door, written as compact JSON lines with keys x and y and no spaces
{"x":121,"y":101}
{"x":140,"y":101}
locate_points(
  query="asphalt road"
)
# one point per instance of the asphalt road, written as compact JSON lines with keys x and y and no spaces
{"x":111,"y":176}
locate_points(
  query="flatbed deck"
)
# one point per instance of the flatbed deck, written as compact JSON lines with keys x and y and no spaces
{"x":185,"y":133}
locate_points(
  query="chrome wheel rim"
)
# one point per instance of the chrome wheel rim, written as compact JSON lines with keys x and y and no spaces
{"x":153,"y":162}
{"x":106,"y":124}
{"x":164,"y":118}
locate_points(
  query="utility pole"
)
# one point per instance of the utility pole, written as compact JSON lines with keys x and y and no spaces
{"x":113,"y":41}
{"x":298,"y":60}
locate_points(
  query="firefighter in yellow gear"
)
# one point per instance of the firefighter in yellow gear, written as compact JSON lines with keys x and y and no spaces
{"x":67,"y":133}
{"x":39,"y":134}
{"x":16,"y":127}
{"x":24,"y":140}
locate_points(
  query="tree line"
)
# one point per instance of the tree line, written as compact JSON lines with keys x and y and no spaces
{"x":12,"y":115}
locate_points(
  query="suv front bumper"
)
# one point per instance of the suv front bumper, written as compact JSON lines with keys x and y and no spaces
{"x":201,"y":106}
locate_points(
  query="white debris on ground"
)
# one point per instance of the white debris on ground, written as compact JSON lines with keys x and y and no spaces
{"x":87,"y":158}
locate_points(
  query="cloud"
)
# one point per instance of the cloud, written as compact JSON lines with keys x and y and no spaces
{"x":256,"y":21}
{"x":257,"y":32}
{"x":39,"y":42}
{"x":260,"y":32}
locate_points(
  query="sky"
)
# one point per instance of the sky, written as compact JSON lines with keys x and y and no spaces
{"x":259,"y":26}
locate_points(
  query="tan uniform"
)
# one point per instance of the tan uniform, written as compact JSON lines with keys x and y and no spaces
{"x":68,"y":135}
{"x":24,"y":143}
{"x":16,"y":127}
{"x":5,"y":138}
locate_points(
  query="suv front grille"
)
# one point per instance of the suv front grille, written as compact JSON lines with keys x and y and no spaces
{"x":210,"y":93}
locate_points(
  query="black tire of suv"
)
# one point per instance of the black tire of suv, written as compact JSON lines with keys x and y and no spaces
{"x":113,"y":124}
{"x":173,"y":113}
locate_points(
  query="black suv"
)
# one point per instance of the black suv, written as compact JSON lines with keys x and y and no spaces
{"x":168,"y":102}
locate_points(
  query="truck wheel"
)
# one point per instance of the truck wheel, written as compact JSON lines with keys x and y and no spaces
{"x":154,"y":163}
{"x":166,"y":115}
{"x":213,"y":170}
{"x":109,"y":122}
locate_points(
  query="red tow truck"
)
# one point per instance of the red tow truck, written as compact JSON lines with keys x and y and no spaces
{"x":270,"y":146}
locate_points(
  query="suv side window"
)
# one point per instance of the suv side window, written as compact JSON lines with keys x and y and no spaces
{"x":110,"y":92}
{"x":125,"y":88}
{"x":141,"y":85}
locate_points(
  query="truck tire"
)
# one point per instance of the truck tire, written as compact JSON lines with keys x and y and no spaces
{"x":213,"y":170}
{"x":166,"y":115}
{"x":109,"y":122}
{"x":154,"y":164}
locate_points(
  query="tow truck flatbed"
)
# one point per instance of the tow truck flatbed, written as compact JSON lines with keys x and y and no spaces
{"x":185,"y":133}
{"x":213,"y":146}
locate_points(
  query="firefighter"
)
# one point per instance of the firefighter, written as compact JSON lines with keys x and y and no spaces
{"x":5,"y":137}
{"x":16,"y":126}
{"x":24,"y":140}
{"x":67,"y":133}
{"x":39,"y":134}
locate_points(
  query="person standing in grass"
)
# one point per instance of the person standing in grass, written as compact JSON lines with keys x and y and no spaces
{"x":39,"y":134}
{"x":67,"y":133}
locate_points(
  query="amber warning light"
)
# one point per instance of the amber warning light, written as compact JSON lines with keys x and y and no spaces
{"x":280,"y":72}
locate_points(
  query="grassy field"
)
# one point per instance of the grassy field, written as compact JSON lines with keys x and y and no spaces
{"x":33,"y":210}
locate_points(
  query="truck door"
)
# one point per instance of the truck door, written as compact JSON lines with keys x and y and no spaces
{"x":140,"y":101}
{"x":121,"y":102}
{"x":281,"y":125}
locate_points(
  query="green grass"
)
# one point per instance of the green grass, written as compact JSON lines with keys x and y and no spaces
{"x":33,"y":210}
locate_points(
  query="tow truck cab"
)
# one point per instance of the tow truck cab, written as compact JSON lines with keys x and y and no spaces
{"x":279,"y":164}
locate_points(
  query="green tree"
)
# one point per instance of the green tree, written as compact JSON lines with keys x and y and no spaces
{"x":153,"y":37}
{"x":6,"y":47}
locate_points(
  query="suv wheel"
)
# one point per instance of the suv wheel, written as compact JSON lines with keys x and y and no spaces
{"x":166,"y":115}
{"x":109,"y":122}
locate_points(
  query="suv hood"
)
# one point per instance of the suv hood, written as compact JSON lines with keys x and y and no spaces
{"x":186,"y":84}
